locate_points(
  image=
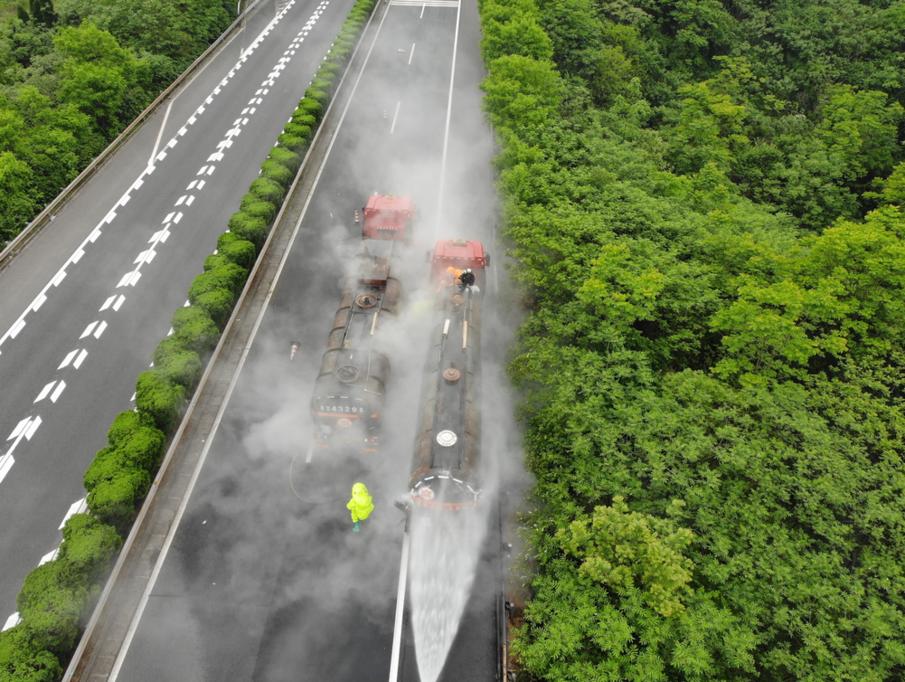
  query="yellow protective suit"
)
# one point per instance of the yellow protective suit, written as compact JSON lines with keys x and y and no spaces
{"x":362,"y":504}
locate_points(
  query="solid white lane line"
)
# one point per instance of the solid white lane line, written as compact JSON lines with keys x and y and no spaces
{"x":449,"y":102}
{"x":160,"y":132}
{"x":400,"y":609}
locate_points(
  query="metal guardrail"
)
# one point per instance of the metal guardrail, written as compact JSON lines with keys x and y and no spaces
{"x":45,"y":217}
{"x":132,"y":566}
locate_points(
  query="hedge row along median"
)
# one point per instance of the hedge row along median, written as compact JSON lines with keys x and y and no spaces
{"x":58,"y":596}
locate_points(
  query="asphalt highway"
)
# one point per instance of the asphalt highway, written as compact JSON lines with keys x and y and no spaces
{"x":87,"y":301}
{"x":264,"y":579}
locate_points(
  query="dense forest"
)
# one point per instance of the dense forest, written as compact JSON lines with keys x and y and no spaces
{"x":73,"y":74}
{"x":705,"y":202}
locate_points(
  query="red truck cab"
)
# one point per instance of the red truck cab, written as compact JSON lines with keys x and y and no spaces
{"x":387,"y":217}
{"x":453,"y":256}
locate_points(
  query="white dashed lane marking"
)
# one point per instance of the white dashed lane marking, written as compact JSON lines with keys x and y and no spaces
{"x":80,"y":358}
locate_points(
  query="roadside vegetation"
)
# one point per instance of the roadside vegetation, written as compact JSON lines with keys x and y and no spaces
{"x":73,"y":74}
{"x":58,"y":597}
{"x":705,"y":204}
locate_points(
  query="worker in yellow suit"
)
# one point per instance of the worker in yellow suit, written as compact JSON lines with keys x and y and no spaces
{"x":360,"y":506}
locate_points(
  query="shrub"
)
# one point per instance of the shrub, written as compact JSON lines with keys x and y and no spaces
{"x":320,"y":96}
{"x":287,"y":157}
{"x":88,"y":546}
{"x":142,"y":448}
{"x":114,"y":501}
{"x":213,"y":260}
{"x":304,"y":119}
{"x":22,"y":660}
{"x":293,"y":142}
{"x":273,"y":170}
{"x":249,"y":227}
{"x":328,"y":71}
{"x":311,"y":107}
{"x":240,"y":251}
{"x":105,"y":465}
{"x":218,"y":303}
{"x":258,"y":208}
{"x":183,"y":367}
{"x":195,"y":329}
{"x":298,"y":130}
{"x":225,"y":240}
{"x":124,"y":424}
{"x":227,"y":276}
{"x":159,"y":397}
{"x":50,"y":608}
{"x":322,"y":82}
{"x":168,"y":346}
{"x":268,"y":190}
